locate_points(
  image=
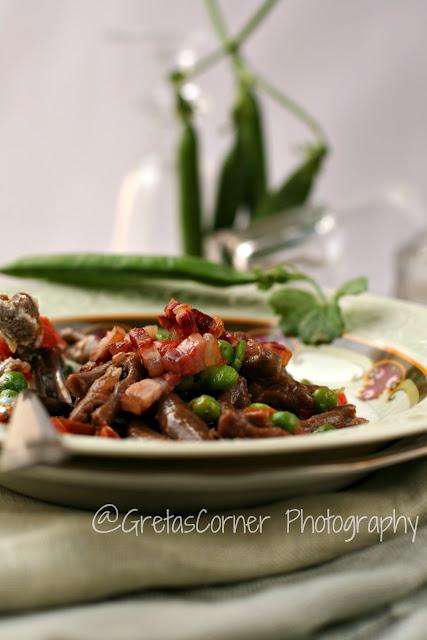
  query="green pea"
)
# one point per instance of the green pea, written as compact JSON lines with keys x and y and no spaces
{"x":206,"y":407}
{"x":8,"y":396}
{"x":239,"y":354}
{"x":306,"y":381}
{"x":163,"y":334}
{"x":218,"y":377}
{"x":187,"y":383}
{"x":324,"y":427}
{"x":259,"y":405}
{"x":324,"y":399}
{"x":14,"y":380}
{"x":285,"y":420}
{"x":227,"y":350}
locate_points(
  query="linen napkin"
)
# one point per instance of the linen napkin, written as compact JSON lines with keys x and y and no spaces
{"x":51,"y":555}
{"x":379,"y":592}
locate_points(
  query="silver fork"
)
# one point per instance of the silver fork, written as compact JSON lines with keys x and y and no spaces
{"x":31,"y":438}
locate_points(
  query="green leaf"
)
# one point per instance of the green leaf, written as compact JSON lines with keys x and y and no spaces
{"x":352,"y":287}
{"x":292,"y":305}
{"x":322,"y":324}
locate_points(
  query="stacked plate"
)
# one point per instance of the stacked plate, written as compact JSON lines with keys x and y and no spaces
{"x":381,"y":363}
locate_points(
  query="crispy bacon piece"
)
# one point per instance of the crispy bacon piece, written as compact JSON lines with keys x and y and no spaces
{"x":182,"y":320}
{"x":188,"y":357}
{"x":192,"y":355}
{"x":147,"y":351}
{"x":151,"y":329}
{"x":207,"y":324}
{"x":141,"y":395}
{"x":102,"y":351}
{"x":213,"y":354}
{"x":122,"y":346}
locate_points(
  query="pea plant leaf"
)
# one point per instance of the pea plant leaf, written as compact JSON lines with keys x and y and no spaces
{"x":292,"y":305}
{"x":313,"y":317}
{"x":322,"y":324}
{"x":352,"y":287}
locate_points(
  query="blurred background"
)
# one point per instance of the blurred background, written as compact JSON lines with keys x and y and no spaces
{"x":77,"y":80}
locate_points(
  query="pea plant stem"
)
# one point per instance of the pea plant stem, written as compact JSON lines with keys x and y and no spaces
{"x":229,"y":44}
{"x":293,"y":107}
{"x":254,"y":21}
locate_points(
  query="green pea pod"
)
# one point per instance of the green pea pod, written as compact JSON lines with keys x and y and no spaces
{"x":228,"y":197}
{"x":297,"y":187}
{"x":242,"y":180}
{"x":253,"y":149}
{"x":113,"y":271}
{"x":254,"y":154}
{"x":189,"y":190}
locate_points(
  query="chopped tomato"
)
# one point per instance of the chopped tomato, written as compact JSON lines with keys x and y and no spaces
{"x":5,"y":352}
{"x":50,"y":337}
{"x":106,"y":432}
{"x":65,"y":425}
{"x":342,"y":398}
{"x":281,"y":350}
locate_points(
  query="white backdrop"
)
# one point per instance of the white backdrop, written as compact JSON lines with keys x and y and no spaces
{"x":71,"y":125}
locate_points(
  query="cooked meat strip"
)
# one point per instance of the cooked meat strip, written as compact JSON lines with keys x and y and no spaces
{"x":261,"y":363}
{"x":71,"y":335}
{"x":98,"y":394}
{"x":138,"y":429}
{"x":14,"y":364}
{"x":238,"y":396}
{"x":81,"y":350}
{"x":343,"y":416}
{"x":286,"y":394}
{"x":19,"y":320}
{"x":78,"y":383}
{"x":233,"y":424}
{"x":178,"y":422}
{"x":106,"y":413}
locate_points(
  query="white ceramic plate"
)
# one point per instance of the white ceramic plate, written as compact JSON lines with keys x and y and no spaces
{"x":185,"y":476}
{"x":91,"y":485}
